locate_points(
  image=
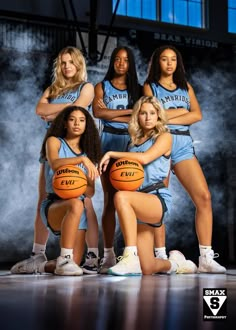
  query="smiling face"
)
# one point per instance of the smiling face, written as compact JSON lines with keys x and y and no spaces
{"x":168,"y":62}
{"x":147,"y":117}
{"x":121,"y":62}
{"x":67,"y":66}
{"x":76,"y":124}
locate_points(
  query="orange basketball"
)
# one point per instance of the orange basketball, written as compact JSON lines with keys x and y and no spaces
{"x":69,"y":181}
{"x":126,"y":174}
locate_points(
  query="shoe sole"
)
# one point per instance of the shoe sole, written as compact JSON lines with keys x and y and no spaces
{"x":110,"y":272}
{"x":68,"y":274}
{"x":89,"y":272}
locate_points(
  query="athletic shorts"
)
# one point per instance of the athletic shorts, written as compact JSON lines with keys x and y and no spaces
{"x":165,"y":198}
{"x":83,"y":225}
{"x":116,"y":142}
{"x":182,"y":148}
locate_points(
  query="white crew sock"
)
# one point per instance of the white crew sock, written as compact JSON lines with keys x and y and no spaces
{"x":67,"y":253}
{"x":131,"y":250}
{"x":94,"y":250}
{"x":39,"y":248}
{"x":204,"y":249}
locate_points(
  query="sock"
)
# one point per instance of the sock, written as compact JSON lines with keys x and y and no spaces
{"x":203,"y":249}
{"x":38,"y":248}
{"x":109,"y":252}
{"x":67,"y":253}
{"x":131,"y":249}
{"x":160,"y":251}
{"x":94,"y":250}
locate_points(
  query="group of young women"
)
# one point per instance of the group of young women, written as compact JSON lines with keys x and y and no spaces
{"x":149,"y":124}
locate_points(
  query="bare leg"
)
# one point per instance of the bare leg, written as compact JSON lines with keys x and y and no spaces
{"x":92,"y":232}
{"x":192,"y":178}
{"x":41,"y":232}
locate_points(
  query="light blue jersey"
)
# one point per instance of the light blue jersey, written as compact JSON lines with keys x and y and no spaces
{"x":182,"y":145}
{"x":68,"y":97}
{"x":64,"y":152}
{"x":114,"y":135}
{"x":154,"y":172}
{"x":175,"y":99}
{"x":114,"y":99}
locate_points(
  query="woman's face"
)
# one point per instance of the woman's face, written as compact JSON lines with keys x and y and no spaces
{"x":168,"y":62}
{"x":68,"y":68}
{"x":121,"y":63}
{"x":147,"y":116}
{"x":76,"y":123}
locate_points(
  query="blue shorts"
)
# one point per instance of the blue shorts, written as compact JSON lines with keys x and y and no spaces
{"x":83,"y":225}
{"x":116,"y":142}
{"x":165,"y":198}
{"x":182,"y":148}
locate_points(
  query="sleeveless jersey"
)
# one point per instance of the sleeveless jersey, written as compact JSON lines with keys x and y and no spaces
{"x":175,"y":99}
{"x":155,"y":171}
{"x":68,"y":97}
{"x":64,"y":152}
{"x":114,"y":99}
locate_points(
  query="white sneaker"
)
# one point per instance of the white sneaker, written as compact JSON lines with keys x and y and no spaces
{"x":30,"y":265}
{"x":66,"y":266}
{"x":128,"y":265}
{"x":208,"y":265}
{"x":91,"y":264}
{"x":183,"y":266}
{"x":107,"y":263}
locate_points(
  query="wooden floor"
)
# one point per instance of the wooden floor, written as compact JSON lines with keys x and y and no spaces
{"x":100,"y":302}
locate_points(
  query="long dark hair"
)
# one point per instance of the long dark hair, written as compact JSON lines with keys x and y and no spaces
{"x":89,"y":142}
{"x":154,"y":72}
{"x":133,"y":87}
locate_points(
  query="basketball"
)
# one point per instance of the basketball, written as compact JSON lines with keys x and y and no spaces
{"x":126,"y":174}
{"x":69,"y":181}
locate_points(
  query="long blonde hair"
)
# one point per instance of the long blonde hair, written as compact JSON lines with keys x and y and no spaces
{"x":135,"y":130}
{"x":59,"y":84}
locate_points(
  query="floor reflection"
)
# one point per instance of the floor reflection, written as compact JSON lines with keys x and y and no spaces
{"x":99,"y":302}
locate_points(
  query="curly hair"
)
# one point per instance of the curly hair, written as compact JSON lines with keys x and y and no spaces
{"x":59,"y":83}
{"x":154,"y":72}
{"x":133,"y":87}
{"x":89,"y":142}
{"x":135,"y":131}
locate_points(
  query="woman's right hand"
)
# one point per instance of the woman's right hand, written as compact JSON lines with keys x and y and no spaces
{"x":91,"y":168}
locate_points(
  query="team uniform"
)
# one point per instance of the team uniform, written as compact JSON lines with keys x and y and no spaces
{"x":115,"y":135}
{"x":64,"y":152}
{"x":154,"y":174}
{"x":182,"y":142}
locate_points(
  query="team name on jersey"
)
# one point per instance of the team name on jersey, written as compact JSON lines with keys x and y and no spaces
{"x":69,"y":97}
{"x":115,"y":97}
{"x":173,"y":98}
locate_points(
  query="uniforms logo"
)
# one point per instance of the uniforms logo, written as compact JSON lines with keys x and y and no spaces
{"x":214,"y":304}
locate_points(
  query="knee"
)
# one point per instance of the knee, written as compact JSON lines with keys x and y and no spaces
{"x":119,"y":198}
{"x":205,"y":198}
{"x":75,"y":205}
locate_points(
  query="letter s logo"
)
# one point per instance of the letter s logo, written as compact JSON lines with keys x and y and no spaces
{"x":214,"y":302}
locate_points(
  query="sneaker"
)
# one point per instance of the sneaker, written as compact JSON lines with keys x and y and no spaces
{"x":30,"y":265}
{"x":91,"y":264}
{"x":128,"y":265}
{"x":183,"y":266}
{"x":208,"y":265}
{"x":66,"y":266}
{"x":107,"y":263}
